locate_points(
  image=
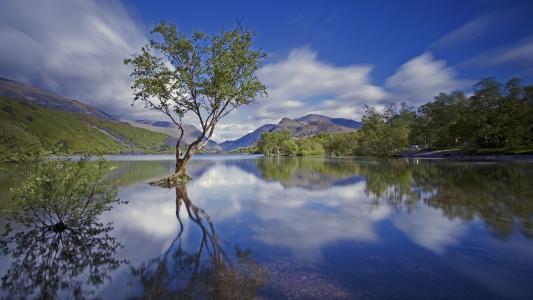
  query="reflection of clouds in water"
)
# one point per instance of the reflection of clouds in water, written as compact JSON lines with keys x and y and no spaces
{"x":305,"y":229}
{"x":222,"y":176}
{"x":151,"y":210}
{"x":147,"y":225}
{"x":221,"y":190}
{"x":301,"y":220}
{"x":429,"y":228}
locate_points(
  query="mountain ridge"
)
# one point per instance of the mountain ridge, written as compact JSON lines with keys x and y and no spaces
{"x":308,"y":125}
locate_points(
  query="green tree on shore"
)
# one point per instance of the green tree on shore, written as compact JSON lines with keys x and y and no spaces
{"x":385,"y":134}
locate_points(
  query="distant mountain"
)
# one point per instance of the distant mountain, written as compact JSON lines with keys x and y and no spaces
{"x":32,"y":95}
{"x":308,"y":125}
{"x":162,"y":124}
{"x":247,"y":140}
{"x":311,"y":125}
{"x":190,"y":131}
{"x":338,"y":121}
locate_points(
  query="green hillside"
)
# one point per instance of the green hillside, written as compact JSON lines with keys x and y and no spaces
{"x":27,"y":130}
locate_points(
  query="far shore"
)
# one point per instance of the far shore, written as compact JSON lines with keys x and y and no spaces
{"x":432,"y":155}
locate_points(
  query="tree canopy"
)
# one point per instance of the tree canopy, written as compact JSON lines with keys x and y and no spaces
{"x":203,"y":75}
{"x":495,"y":117}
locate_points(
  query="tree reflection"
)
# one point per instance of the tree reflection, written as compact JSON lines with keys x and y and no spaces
{"x":500,"y":194}
{"x":57,"y":246}
{"x":205,"y":271}
{"x":46,"y":262}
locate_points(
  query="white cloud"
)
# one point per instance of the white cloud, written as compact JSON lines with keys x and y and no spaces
{"x":302,"y":78}
{"x":423,"y":77}
{"x":73,"y":48}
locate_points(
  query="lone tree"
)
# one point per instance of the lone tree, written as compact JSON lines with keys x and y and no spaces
{"x":206,"y":76}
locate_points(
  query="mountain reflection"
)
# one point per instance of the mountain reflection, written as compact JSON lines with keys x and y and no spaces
{"x":202,"y":270}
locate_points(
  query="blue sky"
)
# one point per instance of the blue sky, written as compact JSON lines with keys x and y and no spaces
{"x":382,"y":33}
{"x":328,"y":57}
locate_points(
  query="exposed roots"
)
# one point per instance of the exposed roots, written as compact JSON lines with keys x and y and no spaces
{"x":171,"y":181}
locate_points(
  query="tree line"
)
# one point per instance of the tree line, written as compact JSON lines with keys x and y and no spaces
{"x":496,"y":118}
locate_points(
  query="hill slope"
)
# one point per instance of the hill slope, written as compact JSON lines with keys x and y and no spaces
{"x":27,"y":129}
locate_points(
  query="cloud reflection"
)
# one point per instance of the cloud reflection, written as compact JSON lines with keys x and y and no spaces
{"x":299,"y":219}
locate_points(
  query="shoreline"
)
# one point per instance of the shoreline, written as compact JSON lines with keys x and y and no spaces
{"x":457,"y":155}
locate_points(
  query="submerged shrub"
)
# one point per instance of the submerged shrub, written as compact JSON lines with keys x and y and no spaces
{"x":57,"y":245}
{"x":64,"y":194}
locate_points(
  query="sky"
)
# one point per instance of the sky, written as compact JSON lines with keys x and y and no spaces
{"x":325,"y":57}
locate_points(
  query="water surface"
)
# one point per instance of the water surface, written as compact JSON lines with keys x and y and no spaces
{"x":312,"y":228}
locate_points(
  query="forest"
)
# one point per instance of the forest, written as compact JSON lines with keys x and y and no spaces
{"x":496,"y":118}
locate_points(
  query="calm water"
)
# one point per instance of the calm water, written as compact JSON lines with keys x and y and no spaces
{"x":306,"y":228}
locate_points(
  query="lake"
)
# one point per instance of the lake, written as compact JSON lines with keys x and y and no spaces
{"x":303,"y":228}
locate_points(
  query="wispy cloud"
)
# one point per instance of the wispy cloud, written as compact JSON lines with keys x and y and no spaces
{"x":421,"y":78}
{"x":469,"y":31}
{"x":73,"y":48}
{"x":520,"y":54}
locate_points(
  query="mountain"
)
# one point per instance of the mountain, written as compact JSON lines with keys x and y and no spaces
{"x":315,"y":124}
{"x":34,"y":121}
{"x":308,"y":125}
{"x":247,"y":140}
{"x":32,"y":95}
{"x":190,"y":134}
{"x":337,"y":121}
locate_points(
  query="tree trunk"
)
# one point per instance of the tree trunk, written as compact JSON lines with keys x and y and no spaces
{"x":181,"y":166}
{"x":180,"y":173}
